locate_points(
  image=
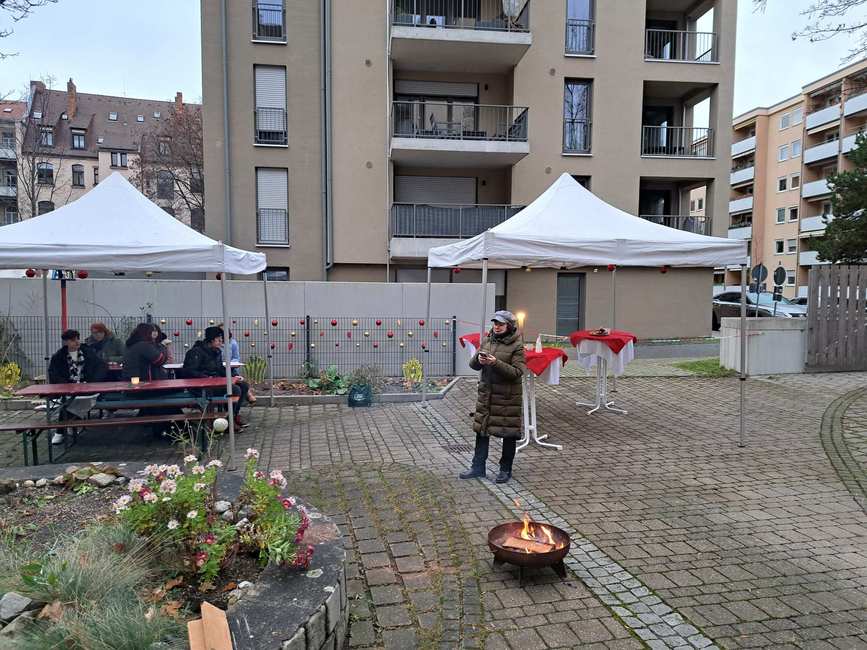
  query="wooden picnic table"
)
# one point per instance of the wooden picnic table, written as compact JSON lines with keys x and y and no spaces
{"x":73,"y":390}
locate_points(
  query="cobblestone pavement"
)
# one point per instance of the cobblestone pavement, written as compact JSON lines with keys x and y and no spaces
{"x":680,"y":537}
{"x":638,"y":368}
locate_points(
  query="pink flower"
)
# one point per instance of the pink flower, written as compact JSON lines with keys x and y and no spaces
{"x":198,"y":469}
{"x":215,"y":463}
{"x":136,"y":485}
{"x":251,"y":453}
{"x":149,"y":497}
{"x":201,"y":558}
{"x":168,"y":486}
{"x":190,"y":459}
{"x":122,"y":503}
{"x":198,"y":487}
{"x":209,"y":538}
{"x":173,"y":523}
{"x":192,"y":514}
{"x":259,"y":475}
{"x":173,"y":470}
{"x":287,"y":503}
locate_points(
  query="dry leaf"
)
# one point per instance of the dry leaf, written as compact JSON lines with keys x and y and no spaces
{"x":156,"y":595}
{"x":230,"y":586}
{"x":171,"y":584}
{"x":171,"y":608}
{"x":206,"y":586}
{"x":52,"y":612}
{"x":120,"y":547}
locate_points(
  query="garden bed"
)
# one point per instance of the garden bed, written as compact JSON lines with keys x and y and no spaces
{"x":290,"y":392}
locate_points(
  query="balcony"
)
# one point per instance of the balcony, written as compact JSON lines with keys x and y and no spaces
{"x":855,"y":105}
{"x":8,"y":190}
{"x":815,"y":189}
{"x":743,"y":147}
{"x":823,"y":117}
{"x":580,"y":36}
{"x":459,"y":35}
{"x":270,"y":126}
{"x":741,"y":205}
{"x":7,"y":149}
{"x":821,"y":152}
{"x":676,"y":142}
{"x":849,"y":143}
{"x":272,"y":227}
{"x":741,"y":232}
{"x":697,"y":224}
{"x":680,"y":46}
{"x":417,"y":227}
{"x":809,"y":258}
{"x":269,"y":22}
{"x":815,"y":224}
{"x":746,"y":174}
{"x":453,"y":134}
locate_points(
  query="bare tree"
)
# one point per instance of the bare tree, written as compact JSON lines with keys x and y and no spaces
{"x":18,"y":10}
{"x":169,"y":166}
{"x":830,"y":18}
{"x":41,"y":143}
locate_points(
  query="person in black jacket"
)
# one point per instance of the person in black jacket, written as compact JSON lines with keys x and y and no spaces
{"x":205,"y":359}
{"x":144,"y":356}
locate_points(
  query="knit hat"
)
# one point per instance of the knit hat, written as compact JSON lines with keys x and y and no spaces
{"x":212,"y":333}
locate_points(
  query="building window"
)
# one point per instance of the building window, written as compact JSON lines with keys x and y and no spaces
{"x":96,"y":175}
{"x":45,"y":174}
{"x":783,"y":153}
{"x":785,"y":121}
{"x":583,"y":181}
{"x":78,"y":140}
{"x":796,"y":148}
{"x":692,"y":205}
{"x":37,"y":115}
{"x":579,"y":27}
{"x":796,"y":181}
{"x":781,"y":215}
{"x":797,"y":116}
{"x":11,"y":215}
{"x":793,"y":214}
{"x":826,"y":208}
{"x":139,"y":118}
{"x":268,"y":21}
{"x":791,"y":245}
{"x":197,"y":219}
{"x":165,"y":186}
{"x":197,"y":181}
{"x":781,"y":184}
{"x":46,"y":136}
{"x":156,"y":115}
{"x":163,"y":147}
{"x":270,"y":115}
{"x":112,"y":116}
{"x":778,"y":247}
{"x":44,"y":207}
{"x":78,"y":175}
{"x":577,"y":109}
{"x":701,"y":204}
{"x":118,"y":159}
{"x":829,"y":171}
{"x":790,"y":278}
{"x":272,"y":206}
{"x":276,"y":274}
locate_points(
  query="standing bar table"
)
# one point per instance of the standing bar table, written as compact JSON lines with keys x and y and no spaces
{"x":615,"y":350}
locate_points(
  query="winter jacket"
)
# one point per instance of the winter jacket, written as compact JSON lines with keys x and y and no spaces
{"x":94,"y":368}
{"x":499,"y":403}
{"x":144,"y":360}
{"x":108,"y":349}
{"x":203,"y":361}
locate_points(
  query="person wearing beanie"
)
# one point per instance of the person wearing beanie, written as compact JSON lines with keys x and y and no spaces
{"x":205,"y":359}
{"x":104,"y":343}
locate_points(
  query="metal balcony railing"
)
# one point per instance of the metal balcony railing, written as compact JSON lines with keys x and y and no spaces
{"x":576,"y":136}
{"x":580,"y":36}
{"x":269,"y":21}
{"x":677,"y":141}
{"x":7,"y":143}
{"x":698,"y":224}
{"x":270,"y":126}
{"x":272,"y":226}
{"x":496,"y":15}
{"x":447,"y":220}
{"x":680,"y":45}
{"x":745,"y":221}
{"x":457,"y":121}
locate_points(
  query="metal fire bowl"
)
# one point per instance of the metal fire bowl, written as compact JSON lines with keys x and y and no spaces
{"x":501,"y":533}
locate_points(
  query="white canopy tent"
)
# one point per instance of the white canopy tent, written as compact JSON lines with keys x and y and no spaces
{"x":568,"y":226}
{"x":115,"y":227}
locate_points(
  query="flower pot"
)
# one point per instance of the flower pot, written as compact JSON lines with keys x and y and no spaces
{"x":360,"y":396}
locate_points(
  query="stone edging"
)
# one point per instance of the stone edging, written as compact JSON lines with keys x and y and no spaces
{"x":831,"y":434}
{"x":382,"y":398}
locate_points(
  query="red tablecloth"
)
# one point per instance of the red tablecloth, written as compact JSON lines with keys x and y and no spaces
{"x":538,"y":362}
{"x":472,"y":339}
{"x":71,"y":390}
{"x":616,"y":340}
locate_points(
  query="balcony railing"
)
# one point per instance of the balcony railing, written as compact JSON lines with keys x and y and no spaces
{"x":9,"y":188}
{"x":577,"y":136}
{"x":697,"y":224}
{"x":456,"y":121}
{"x":744,"y":146}
{"x":677,"y":141}
{"x":741,"y":221}
{"x":271,"y":126}
{"x":742,"y":175}
{"x":272,"y":226}
{"x":815,"y":189}
{"x":269,"y":21}
{"x":447,"y":221}
{"x":680,"y":45}
{"x":822,"y":116}
{"x":580,"y":36}
{"x":496,"y":15}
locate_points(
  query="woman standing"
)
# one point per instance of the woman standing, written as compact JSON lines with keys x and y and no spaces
{"x":144,"y":356}
{"x":498,"y":408}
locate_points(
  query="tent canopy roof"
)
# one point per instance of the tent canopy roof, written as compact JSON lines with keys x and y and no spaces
{"x":114,"y":227}
{"x":568,"y":226}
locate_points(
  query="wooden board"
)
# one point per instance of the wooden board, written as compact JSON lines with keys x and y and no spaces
{"x":217,"y":636}
{"x":836,"y":320}
{"x":196,"y":635}
{"x":520,"y":544}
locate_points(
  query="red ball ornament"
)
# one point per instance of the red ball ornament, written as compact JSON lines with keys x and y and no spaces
{"x":611,"y":267}
{"x":321,"y":333}
{"x":349,"y":335}
{"x":219,"y":276}
{"x":337,"y":345}
{"x":274,"y":322}
{"x":424,"y":346}
{"x":664,"y":268}
{"x":30,"y":273}
{"x":290,"y":346}
{"x":436,"y":334}
{"x":375,"y":345}
{"x":82,"y":274}
{"x":189,"y":321}
{"x":246,"y":333}
{"x":421,"y":323}
{"x":333,"y":322}
{"x":273,"y":345}
{"x":457,"y":269}
{"x":389,"y":334}
{"x":177,"y":334}
{"x":302,"y":322}
{"x":378,"y":322}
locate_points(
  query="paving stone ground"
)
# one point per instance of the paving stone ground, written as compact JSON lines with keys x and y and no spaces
{"x":680,"y":537}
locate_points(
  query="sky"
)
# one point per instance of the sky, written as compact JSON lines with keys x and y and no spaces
{"x":151,"y":49}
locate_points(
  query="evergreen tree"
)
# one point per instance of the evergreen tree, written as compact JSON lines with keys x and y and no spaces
{"x":845,"y":237}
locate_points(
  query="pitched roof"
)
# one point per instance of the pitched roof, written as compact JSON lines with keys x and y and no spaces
{"x":12,"y":110}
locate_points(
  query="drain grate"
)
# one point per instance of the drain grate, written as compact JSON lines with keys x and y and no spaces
{"x":463,"y":448}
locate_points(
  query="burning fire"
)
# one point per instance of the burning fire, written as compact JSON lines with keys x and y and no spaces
{"x":536,"y":532}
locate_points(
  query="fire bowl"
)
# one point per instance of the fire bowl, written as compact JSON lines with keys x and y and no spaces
{"x":539,"y":552}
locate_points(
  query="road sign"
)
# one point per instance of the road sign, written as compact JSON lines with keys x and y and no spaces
{"x":778,"y":292}
{"x":779,"y":276}
{"x":760,"y":273}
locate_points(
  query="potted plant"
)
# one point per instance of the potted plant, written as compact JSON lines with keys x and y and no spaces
{"x":363,"y":382}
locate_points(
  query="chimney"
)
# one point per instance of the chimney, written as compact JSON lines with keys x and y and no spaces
{"x":179,"y":101}
{"x":71,"y":99}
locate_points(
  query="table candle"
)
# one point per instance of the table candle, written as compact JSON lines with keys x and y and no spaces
{"x":133,"y":381}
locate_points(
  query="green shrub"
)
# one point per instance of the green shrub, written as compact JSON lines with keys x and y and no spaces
{"x":413,"y":372}
{"x":329,"y":381}
{"x":367,"y":376}
{"x":255,"y":369}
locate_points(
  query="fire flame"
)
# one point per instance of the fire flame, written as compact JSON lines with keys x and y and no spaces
{"x":535,"y":532}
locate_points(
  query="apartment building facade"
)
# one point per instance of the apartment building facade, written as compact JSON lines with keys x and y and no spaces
{"x":11,"y":116}
{"x":782,"y":156}
{"x":346,"y":139}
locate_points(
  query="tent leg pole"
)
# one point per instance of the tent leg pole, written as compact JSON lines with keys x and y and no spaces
{"x":227,"y":359}
{"x":424,"y":374}
{"x":45,"y":321}
{"x":743,"y":376}
{"x":64,"y":312}
{"x":484,"y":301}
{"x":270,"y":349}
{"x":614,"y":317}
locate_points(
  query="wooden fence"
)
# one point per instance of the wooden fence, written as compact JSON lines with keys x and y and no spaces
{"x":837,"y":318}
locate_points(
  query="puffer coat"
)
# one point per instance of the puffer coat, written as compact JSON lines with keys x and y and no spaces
{"x":498,"y":408}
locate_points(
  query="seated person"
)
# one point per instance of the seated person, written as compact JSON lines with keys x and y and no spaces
{"x":205,"y":359}
{"x":166,"y":344}
{"x":104,"y":343}
{"x":235,"y":357}
{"x":144,"y":356}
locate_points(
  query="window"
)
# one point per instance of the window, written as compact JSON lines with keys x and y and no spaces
{"x":796,"y":148}
{"x":783,"y":153}
{"x":197,"y":219}
{"x":797,"y":116}
{"x":37,"y":115}
{"x":165,"y":186}
{"x":781,"y":184}
{"x":78,"y":140}
{"x":118,"y":159}
{"x":793,"y":214}
{"x":826,"y":208}
{"x":45,"y":174}
{"x":112,"y":116}
{"x":570,"y":293}
{"x":583,"y":181}
{"x":44,"y":206}
{"x":197,"y":182}
{"x":692,"y":206}
{"x":790,"y":278}
{"x":64,"y":116}
{"x":701,"y":204}
{"x":139,"y":118}
{"x":11,"y":215}
{"x":276,"y":274}
{"x":796,"y":181}
{"x":96,"y":175}
{"x":781,"y":215}
{"x":829,"y":171}
{"x":778,"y":247}
{"x":156,"y":115}
{"x":785,"y":120}
{"x":272,"y":206}
{"x":791,"y":245}
{"x":46,"y":136}
{"x":270,"y":115}
{"x":78,"y":175}
{"x":268,"y":21}
{"x":163,"y":147}
{"x":577,"y":98}
{"x":579,"y":27}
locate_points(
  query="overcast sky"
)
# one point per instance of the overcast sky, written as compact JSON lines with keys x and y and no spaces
{"x":150,"y":49}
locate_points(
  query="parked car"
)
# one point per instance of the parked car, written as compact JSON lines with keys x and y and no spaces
{"x":728,"y":305}
{"x":800,"y":300}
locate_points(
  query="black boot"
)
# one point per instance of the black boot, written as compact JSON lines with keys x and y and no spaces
{"x":473,"y":472}
{"x":503,"y":477}
{"x":477,"y":469}
{"x":506,"y":460}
